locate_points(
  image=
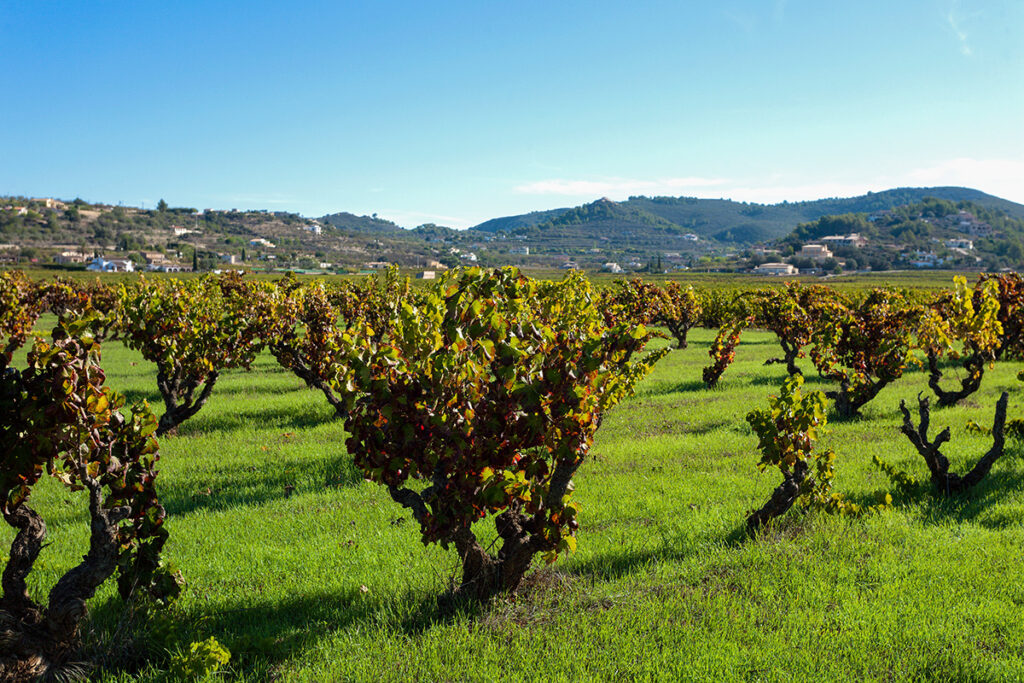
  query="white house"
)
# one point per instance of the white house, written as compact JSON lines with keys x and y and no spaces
{"x":960,"y":244}
{"x":611,"y":267}
{"x":117,"y":265}
{"x":775,"y":269}
{"x":261,"y":242}
{"x":521,"y":251}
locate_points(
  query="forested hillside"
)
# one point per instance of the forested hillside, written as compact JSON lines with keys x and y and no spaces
{"x":721,"y":220}
{"x":930,"y":232}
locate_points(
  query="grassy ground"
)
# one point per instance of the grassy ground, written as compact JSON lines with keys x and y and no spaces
{"x":308,"y":573}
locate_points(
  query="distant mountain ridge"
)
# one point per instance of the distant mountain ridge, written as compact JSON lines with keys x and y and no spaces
{"x":650,"y":218}
{"x":602,"y":233}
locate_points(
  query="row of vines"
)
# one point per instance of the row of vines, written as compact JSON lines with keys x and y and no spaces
{"x":476,"y":398}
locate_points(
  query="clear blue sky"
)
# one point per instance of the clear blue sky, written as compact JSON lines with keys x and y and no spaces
{"x":454,"y":112}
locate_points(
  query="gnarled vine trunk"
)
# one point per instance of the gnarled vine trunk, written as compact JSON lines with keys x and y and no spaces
{"x":975,"y":367}
{"x":945,"y":482}
{"x":848,"y":403}
{"x":178,"y":399}
{"x":679,"y":331}
{"x":782,"y":498}
{"x":485,"y":574}
{"x":312,"y":380}
{"x":40,"y":642}
{"x":28,"y":542}
{"x":789,"y":355}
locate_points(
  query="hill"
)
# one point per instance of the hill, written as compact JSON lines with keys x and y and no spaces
{"x":44,"y":231}
{"x":526,"y":220}
{"x":932,"y":232}
{"x":604,"y":223}
{"x":719,"y":220}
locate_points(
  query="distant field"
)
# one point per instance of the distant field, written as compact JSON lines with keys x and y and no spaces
{"x":911,"y":279}
{"x":308,"y":573}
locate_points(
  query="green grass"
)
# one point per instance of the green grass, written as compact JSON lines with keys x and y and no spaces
{"x":308,"y":573}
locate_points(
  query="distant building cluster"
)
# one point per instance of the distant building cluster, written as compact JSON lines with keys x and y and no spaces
{"x":852,"y":240}
{"x":464,"y":255}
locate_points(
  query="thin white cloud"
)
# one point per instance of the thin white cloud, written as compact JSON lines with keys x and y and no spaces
{"x":1001,"y":177}
{"x":617,"y":187}
{"x":413,"y":218}
{"x":953,"y":20}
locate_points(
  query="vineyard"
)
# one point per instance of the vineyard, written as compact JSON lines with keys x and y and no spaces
{"x":496,"y":476}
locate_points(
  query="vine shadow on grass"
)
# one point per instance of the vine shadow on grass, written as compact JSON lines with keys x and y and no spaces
{"x":315,"y":412}
{"x":250,"y":485}
{"x":773,"y":380}
{"x":668,"y":387}
{"x":260,"y":637}
{"x":617,"y":564}
{"x":312,"y":414}
{"x":239,"y":389}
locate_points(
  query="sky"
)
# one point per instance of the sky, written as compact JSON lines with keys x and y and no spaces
{"x":454,"y":112}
